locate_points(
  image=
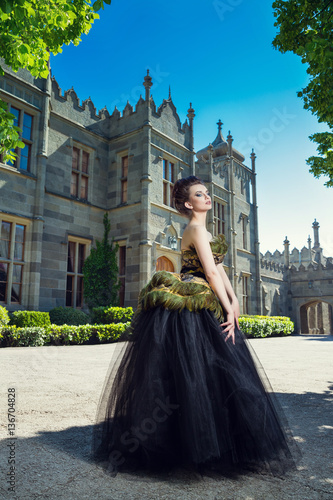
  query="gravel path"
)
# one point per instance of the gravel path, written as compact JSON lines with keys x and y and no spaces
{"x":56,"y":394}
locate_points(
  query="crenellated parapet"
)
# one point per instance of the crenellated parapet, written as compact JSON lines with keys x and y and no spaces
{"x":166,"y":119}
{"x":313,"y":267}
{"x":68,"y":106}
{"x":270,"y":265}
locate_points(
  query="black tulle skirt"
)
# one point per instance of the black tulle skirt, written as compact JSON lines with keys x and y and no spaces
{"x":182,"y":396}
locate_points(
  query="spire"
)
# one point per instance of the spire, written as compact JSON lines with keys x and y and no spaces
{"x":170,"y":93}
{"x":190,"y":113}
{"x":190,"y":116}
{"x":309,"y":244}
{"x":286,"y":252}
{"x":315,"y":226}
{"x":253,"y":160}
{"x":147,"y":84}
{"x":230,"y":141}
{"x":219,"y":125}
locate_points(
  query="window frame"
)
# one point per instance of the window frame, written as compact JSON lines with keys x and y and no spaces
{"x":79,"y":172}
{"x":124,"y":178}
{"x":29,"y":142}
{"x":122,"y":273}
{"x":167,"y":182}
{"x":75,"y":274}
{"x":244,"y":220}
{"x":12,"y":261}
{"x":245,"y":292}
{"x":219,"y":223}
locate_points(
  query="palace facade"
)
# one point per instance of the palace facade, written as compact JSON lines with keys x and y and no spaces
{"x":79,"y":163}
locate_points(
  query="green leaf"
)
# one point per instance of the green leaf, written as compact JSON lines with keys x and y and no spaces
{"x":98,"y":5}
{"x":6,"y":6}
{"x":24,"y":49}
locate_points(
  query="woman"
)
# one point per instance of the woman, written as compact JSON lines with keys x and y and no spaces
{"x":187,"y":391}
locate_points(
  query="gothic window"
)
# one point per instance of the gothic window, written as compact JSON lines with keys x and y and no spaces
{"x":219,"y":218}
{"x":124,"y":174}
{"x":244,"y":221}
{"x":12,"y":239}
{"x":80,"y":173}
{"x":24,"y":121}
{"x":164,"y":264}
{"x":122,"y":273}
{"x":168,"y":182}
{"x":77,"y":252}
{"x":245,"y":295}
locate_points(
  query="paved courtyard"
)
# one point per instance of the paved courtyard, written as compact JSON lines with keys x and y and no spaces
{"x":56,"y":393}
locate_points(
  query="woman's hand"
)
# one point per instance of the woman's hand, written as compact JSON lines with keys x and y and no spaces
{"x":229,"y":327}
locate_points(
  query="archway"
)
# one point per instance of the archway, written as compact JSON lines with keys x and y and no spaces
{"x":164,"y":264}
{"x":316,"y":318}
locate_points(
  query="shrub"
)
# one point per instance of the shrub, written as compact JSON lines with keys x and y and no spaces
{"x":12,"y":336}
{"x":68,"y":316}
{"x":100,"y":271}
{"x":84,"y":334}
{"x":265,"y":326}
{"x":108,"y":315}
{"x":30,"y":318}
{"x":4,"y":316}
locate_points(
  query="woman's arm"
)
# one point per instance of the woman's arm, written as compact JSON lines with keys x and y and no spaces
{"x":199,"y":238}
{"x":231,"y":294}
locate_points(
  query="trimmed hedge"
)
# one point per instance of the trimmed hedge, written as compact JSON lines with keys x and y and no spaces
{"x":68,"y":316}
{"x":30,"y":319}
{"x":65,"y":334}
{"x":11,"y":336}
{"x":108,"y":315}
{"x":265,"y":326}
{"x":4,"y":316}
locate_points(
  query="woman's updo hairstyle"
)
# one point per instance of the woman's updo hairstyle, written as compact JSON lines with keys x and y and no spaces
{"x":181,"y":191}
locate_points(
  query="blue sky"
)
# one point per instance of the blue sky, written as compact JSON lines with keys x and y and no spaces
{"x":219,"y":56}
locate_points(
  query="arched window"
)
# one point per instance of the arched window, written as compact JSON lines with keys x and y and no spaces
{"x":164,"y":264}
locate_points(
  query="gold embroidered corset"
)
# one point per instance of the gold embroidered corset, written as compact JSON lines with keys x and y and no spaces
{"x":191,"y":265}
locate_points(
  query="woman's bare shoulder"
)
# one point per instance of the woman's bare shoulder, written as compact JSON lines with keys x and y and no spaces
{"x":192,"y":233}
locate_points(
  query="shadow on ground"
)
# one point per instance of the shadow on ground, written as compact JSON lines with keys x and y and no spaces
{"x":310,"y":417}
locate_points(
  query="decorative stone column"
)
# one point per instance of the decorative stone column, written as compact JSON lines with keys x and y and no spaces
{"x":256,"y":234}
{"x":315,"y":227}
{"x":190,"y":116}
{"x":210,"y":222}
{"x":38,"y":218}
{"x":146,"y":180}
{"x":286,"y":253}
{"x":233,"y":270}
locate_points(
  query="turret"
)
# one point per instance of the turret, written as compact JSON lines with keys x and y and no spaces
{"x":147,"y":84}
{"x":286,"y":252}
{"x":315,"y":227}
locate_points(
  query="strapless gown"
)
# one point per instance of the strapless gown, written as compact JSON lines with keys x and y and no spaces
{"x":179,"y":395}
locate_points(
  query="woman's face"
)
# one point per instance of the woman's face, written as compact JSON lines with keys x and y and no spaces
{"x":199,"y":199}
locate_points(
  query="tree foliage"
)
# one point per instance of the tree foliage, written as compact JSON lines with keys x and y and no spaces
{"x":100,"y":272}
{"x":306,"y":29}
{"x":30,"y":31}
